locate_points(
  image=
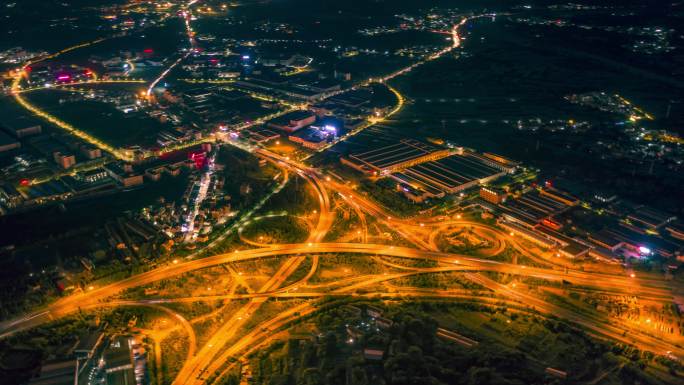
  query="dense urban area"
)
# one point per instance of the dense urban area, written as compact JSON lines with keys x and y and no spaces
{"x":287,"y":192}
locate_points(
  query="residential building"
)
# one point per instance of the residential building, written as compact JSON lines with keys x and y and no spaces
{"x":124,"y":174}
{"x":64,"y":160}
{"x":21,"y":126}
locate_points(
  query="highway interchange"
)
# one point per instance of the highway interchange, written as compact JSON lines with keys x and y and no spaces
{"x":211,"y":357}
{"x":212,"y":361}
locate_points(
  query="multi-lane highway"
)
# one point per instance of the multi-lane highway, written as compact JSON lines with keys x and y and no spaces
{"x":232,"y":340}
{"x":205,"y":361}
{"x":618,"y":284}
{"x":210,"y":357}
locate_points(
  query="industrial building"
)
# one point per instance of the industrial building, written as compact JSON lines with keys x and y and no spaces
{"x":545,"y":237}
{"x":559,"y":196}
{"x":606,"y":240}
{"x":278,"y":86}
{"x":64,"y":372}
{"x":650,"y":218}
{"x":353,"y":99}
{"x":676,"y":230}
{"x":643,"y":244}
{"x":423,"y":171}
{"x":293,"y":121}
{"x":531,"y":216}
{"x":533,"y":207}
{"x":260,"y":134}
{"x":448,"y":175}
{"x":88,"y":343}
{"x":118,"y":360}
{"x":395,"y":157}
{"x":314,"y":138}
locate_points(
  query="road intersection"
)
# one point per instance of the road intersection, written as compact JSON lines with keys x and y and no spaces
{"x":212,"y":361}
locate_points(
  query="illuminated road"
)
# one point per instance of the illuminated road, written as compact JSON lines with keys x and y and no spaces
{"x":594,"y":324}
{"x":210,"y":358}
{"x":456,"y":43}
{"x":187,"y":17}
{"x":80,"y":83}
{"x":69,"y":127}
{"x":69,"y":304}
{"x":194,"y":370}
{"x":187,"y":327}
{"x":424,"y":233}
{"x":16,"y":90}
{"x":166,"y":72}
{"x":244,"y":219}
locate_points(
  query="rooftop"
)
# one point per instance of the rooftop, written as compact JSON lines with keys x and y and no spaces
{"x":605,"y":238}
{"x":16,"y":123}
{"x":394,"y":154}
{"x":651,"y":217}
{"x":451,"y":172}
{"x":88,"y":341}
{"x":285,"y":120}
{"x":56,"y":373}
{"x":5,"y":139}
{"x":118,"y":353}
